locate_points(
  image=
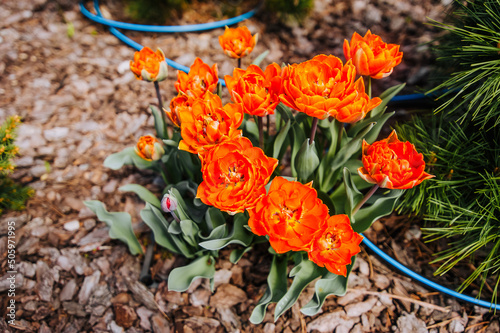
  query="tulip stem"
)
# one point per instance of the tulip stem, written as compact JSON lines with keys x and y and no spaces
{"x":314,"y":127}
{"x":160,"y":104}
{"x":340,"y":129}
{"x":239,"y":62}
{"x":365,"y":199}
{"x":260,"y":123}
{"x":369,"y":87}
{"x":268,"y":124}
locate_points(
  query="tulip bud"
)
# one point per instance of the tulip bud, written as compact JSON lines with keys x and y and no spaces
{"x":169,"y":203}
{"x":150,"y":148}
{"x":307,"y":160}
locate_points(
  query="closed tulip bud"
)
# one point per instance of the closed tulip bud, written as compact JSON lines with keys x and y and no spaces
{"x":306,"y":161}
{"x":168,"y":203}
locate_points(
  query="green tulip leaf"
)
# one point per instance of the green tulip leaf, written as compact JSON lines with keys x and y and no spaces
{"x":382,"y":206}
{"x":386,"y":96}
{"x":239,"y":235}
{"x":329,"y":284}
{"x":237,"y":254}
{"x":143,"y":193}
{"x":260,"y":57}
{"x":154,"y":219}
{"x":119,"y":224}
{"x":180,"y":278}
{"x":159,"y":123}
{"x":280,"y":138}
{"x":127,"y":156}
{"x":303,"y":274}
{"x":353,"y":195}
{"x":276,"y":288}
{"x":189,"y":231}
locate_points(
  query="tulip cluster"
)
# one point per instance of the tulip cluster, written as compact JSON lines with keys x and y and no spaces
{"x":218,"y":152}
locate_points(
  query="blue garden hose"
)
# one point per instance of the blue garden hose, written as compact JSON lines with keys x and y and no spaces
{"x":426,"y":281}
{"x":113,"y":25}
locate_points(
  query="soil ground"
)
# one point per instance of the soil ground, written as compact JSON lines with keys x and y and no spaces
{"x":69,"y":79}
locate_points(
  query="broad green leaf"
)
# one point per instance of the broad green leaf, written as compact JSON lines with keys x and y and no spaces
{"x":280,"y":138}
{"x":143,"y":193}
{"x":380,"y":119}
{"x":373,"y":134}
{"x":386,"y":96}
{"x":299,"y":137}
{"x":180,"y":278}
{"x":239,"y":235}
{"x":182,"y":209}
{"x":353,"y":195}
{"x":382,"y":206}
{"x":154,"y":219}
{"x":214,"y":218}
{"x":189,"y":231}
{"x":119,"y":223}
{"x":285,"y":112}
{"x":236,"y":254}
{"x":159,"y":123}
{"x":276,"y":288}
{"x":351,"y":148}
{"x":303,"y":274}
{"x":252,"y":128}
{"x":127,"y":156}
{"x":217,"y":233}
{"x":260,"y":57}
{"x":329,"y":284}
{"x":344,"y":154}
{"x":327,"y":201}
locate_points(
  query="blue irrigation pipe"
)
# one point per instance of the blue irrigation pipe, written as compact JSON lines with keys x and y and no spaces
{"x":113,"y":25}
{"x":426,"y":281}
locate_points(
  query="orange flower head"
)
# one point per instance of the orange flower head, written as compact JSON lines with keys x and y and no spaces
{"x":200,"y":79}
{"x":392,"y":164}
{"x":323,"y":87}
{"x":179,"y":102}
{"x":371,"y":56}
{"x":291,"y":214}
{"x":234,"y":175}
{"x":257,"y":91}
{"x":148,"y":65}
{"x":335,"y":245}
{"x":150,"y":148}
{"x":237,"y":42}
{"x":208,"y":123}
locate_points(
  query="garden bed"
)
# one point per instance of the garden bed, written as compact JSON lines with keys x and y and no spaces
{"x":69,"y":80}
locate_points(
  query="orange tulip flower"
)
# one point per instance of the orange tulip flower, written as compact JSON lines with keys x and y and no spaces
{"x":208,"y":123}
{"x":149,"y":65}
{"x":178,"y":103}
{"x":371,"y":56}
{"x":200,"y":79}
{"x":290,"y":214}
{"x":392,"y":164}
{"x":335,"y":245}
{"x":150,"y":148}
{"x":237,"y":42}
{"x":323,"y":87}
{"x":234,"y":175}
{"x":256,"y":90}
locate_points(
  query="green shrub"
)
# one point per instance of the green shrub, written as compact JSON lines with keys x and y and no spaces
{"x":12,"y":195}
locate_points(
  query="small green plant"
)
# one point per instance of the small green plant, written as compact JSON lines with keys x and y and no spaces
{"x":12,"y":195}
{"x":297,"y":9}
{"x":153,"y":11}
